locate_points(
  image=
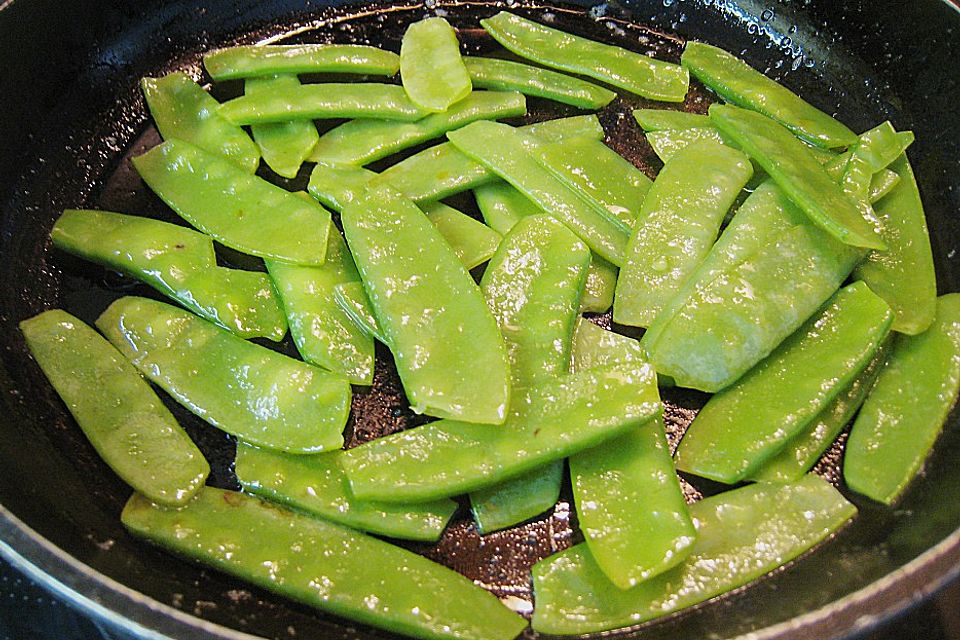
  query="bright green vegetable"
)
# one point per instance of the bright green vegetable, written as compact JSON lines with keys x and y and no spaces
{"x":667,"y":143}
{"x":268,"y":60}
{"x":351,"y":297}
{"x":660,"y":119}
{"x":178,"y":262}
{"x":431,"y":68}
{"x":324,"y":565}
{"x":625,"y":69}
{"x":511,"y":502}
{"x":906,"y":408}
{"x":249,"y":391}
{"x":472,"y":241}
{"x":286,"y":144}
{"x":506,"y":75}
{"x":601,"y":284}
{"x":336,"y":185}
{"x":741,"y":535}
{"x":119,"y":413}
{"x":182,"y":109}
{"x":873,"y":152}
{"x":594,"y":346}
{"x":882,"y":184}
{"x":241,"y":211}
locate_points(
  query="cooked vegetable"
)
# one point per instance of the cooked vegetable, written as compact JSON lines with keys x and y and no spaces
{"x":285,"y":144}
{"x":431,"y":68}
{"x":660,"y":119}
{"x":473,"y":242}
{"x":351,"y":297}
{"x":323,"y":101}
{"x":506,"y":75}
{"x":268,"y":60}
{"x":667,"y":143}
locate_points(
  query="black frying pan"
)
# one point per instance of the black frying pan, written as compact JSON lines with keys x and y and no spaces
{"x":72,"y":115}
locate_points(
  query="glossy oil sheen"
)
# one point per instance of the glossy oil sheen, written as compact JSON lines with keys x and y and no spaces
{"x":285,"y":144}
{"x":253,"y":61}
{"x":506,"y":75}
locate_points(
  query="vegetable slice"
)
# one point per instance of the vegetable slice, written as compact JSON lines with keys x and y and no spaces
{"x":506,"y":75}
{"x":660,"y":119}
{"x":431,"y":68}
{"x":284,"y":145}
{"x":267,"y":60}
{"x":472,"y":241}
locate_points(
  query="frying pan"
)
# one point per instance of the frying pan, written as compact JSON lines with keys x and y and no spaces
{"x":71,"y":117}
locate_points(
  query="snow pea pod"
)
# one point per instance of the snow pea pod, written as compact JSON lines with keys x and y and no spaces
{"x":906,"y":408}
{"x":267,"y":60}
{"x":430,"y":310}
{"x":239,"y":210}
{"x":506,"y":75}
{"x":625,"y":69}
{"x":178,"y":262}
{"x":352,"y":298}
{"x":431,"y":68}
{"x":737,"y":83}
{"x":249,"y":391}
{"x":667,"y":143}
{"x":787,"y":390}
{"x":660,"y":119}
{"x":324,"y":565}
{"x":741,"y":535}
{"x":874,"y":151}
{"x":183,"y":110}
{"x":882,"y":184}
{"x":119,"y":413}
{"x":285,"y":144}
{"x":365,"y":140}
{"x":472,"y":241}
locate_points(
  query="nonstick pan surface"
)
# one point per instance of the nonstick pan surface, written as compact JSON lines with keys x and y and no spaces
{"x":72,"y":117}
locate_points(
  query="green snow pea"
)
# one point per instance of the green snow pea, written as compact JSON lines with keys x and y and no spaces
{"x":431,"y":68}
{"x":873,"y":152}
{"x":352,"y":298}
{"x":601,"y":284}
{"x":239,"y":210}
{"x":365,"y":140}
{"x":594,"y":346}
{"x":268,"y":60}
{"x":660,"y":119}
{"x":754,"y":418}
{"x":117,"y":410}
{"x":286,"y":144}
{"x":506,"y":75}
{"x":182,"y":109}
{"x":316,"y":484}
{"x":560,"y":417}
{"x":178,"y":262}
{"x":667,"y":143}
{"x":430,"y":310}
{"x":509,"y":503}
{"x":249,"y":391}
{"x":337,"y":185}
{"x":324,"y":565}
{"x":472,"y":241}
{"x":736,"y":82}
{"x":906,"y":408}
{"x":741,"y":535}
{"x":882,"y":184}
{"x":625,"y":69}
{"x":679,"y":221}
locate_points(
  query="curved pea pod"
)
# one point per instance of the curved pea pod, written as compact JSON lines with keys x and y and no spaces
{"x":336,"y":185}
{"x":284,"y":144}
{"x":667,"y":143}
{"x":660,"y":119}
{"x":472,"y":241}
{"x":873,"y":152}
{"x":753,"y":419}
{"x":352,"y":298}
{"x":906,"y":408}
{"x":881,"y":184}
{"x":183,"y":110}
{"x":430,"y":310}
{"x":741,"y":535}
{"x":736,"y":82}
{"x":507,"y":504}
{"x":118,"y":412}
{"x":431,"y":68}
{"x":249,"y":391}
{"x":316,"y":484}
{"x":601,"y":284}
{"x":324,"y":565}
{"x":506,"y":75}
{"x":553,"y":48}
{"x":678,"y":223}
{"x":241,"y":211}
{"x":594,"y":346}
{"x":560,"y":417}
{"x":267,"y":60}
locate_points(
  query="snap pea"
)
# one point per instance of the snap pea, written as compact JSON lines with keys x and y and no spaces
{"x":906,"y":408}
{"x":365,"y":140}
{"x":118,"y":412}
{"x":182,"y":109}
{"x":286,"y":144}
{"x":430,"y":310}
{"x":178,"y":262}
{"x":238,"y":210}
{"x":787,"y":390}
{"x":431,"y":68}
{"x":316,"y":484}
{"x":472,"y":241}
{"x":249,"y":391}
{"x":679,"y":221}
{"x":267,"y":60}
{"x":741,"y":535}
{"x":625,"y":69}
{"x":352,"y":298}
{"x":667,"y":143}
{"x":506,"y":75}
{"x":324,"y":565}
{"x":736,"y":82}
{"x":660,"y":119}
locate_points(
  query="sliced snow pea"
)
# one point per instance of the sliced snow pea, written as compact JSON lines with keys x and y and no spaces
{"x":906,"y":408}
{"x":472,"y":241}
{"x":506,"y":75}
{"x":601,"y":284}
{"x":503,"y":150}
{"x":736,"y":82}
{"x":741,"y":535}
{"x":324,"y":565}
{"x":883,"y":183}
{"x":430,"y":310}
{"x":352,"y":298}
{"x":239,"y":210}
{"x":660,"y":119}
{"x":625,"y":69}
{"x":594,"y":346}
{"x":183,"y":110}
{"x":667,"y":143}
{"x":316,"y":484}
{"x":117,"y":410}
{"x":874,"y":151}
{"x":249,"y":391}
{"x":365,"y":140}
{"x":268,"y":60}
{"x":679,"y":221}
{"x":751,"y":420}
{"x":431,"y":68}
{"x":337,"y":185}
{"x":511,"y":502}
{"x":178,"y":262}
{"x":285,"y":144}
{"x":560,"y":417}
